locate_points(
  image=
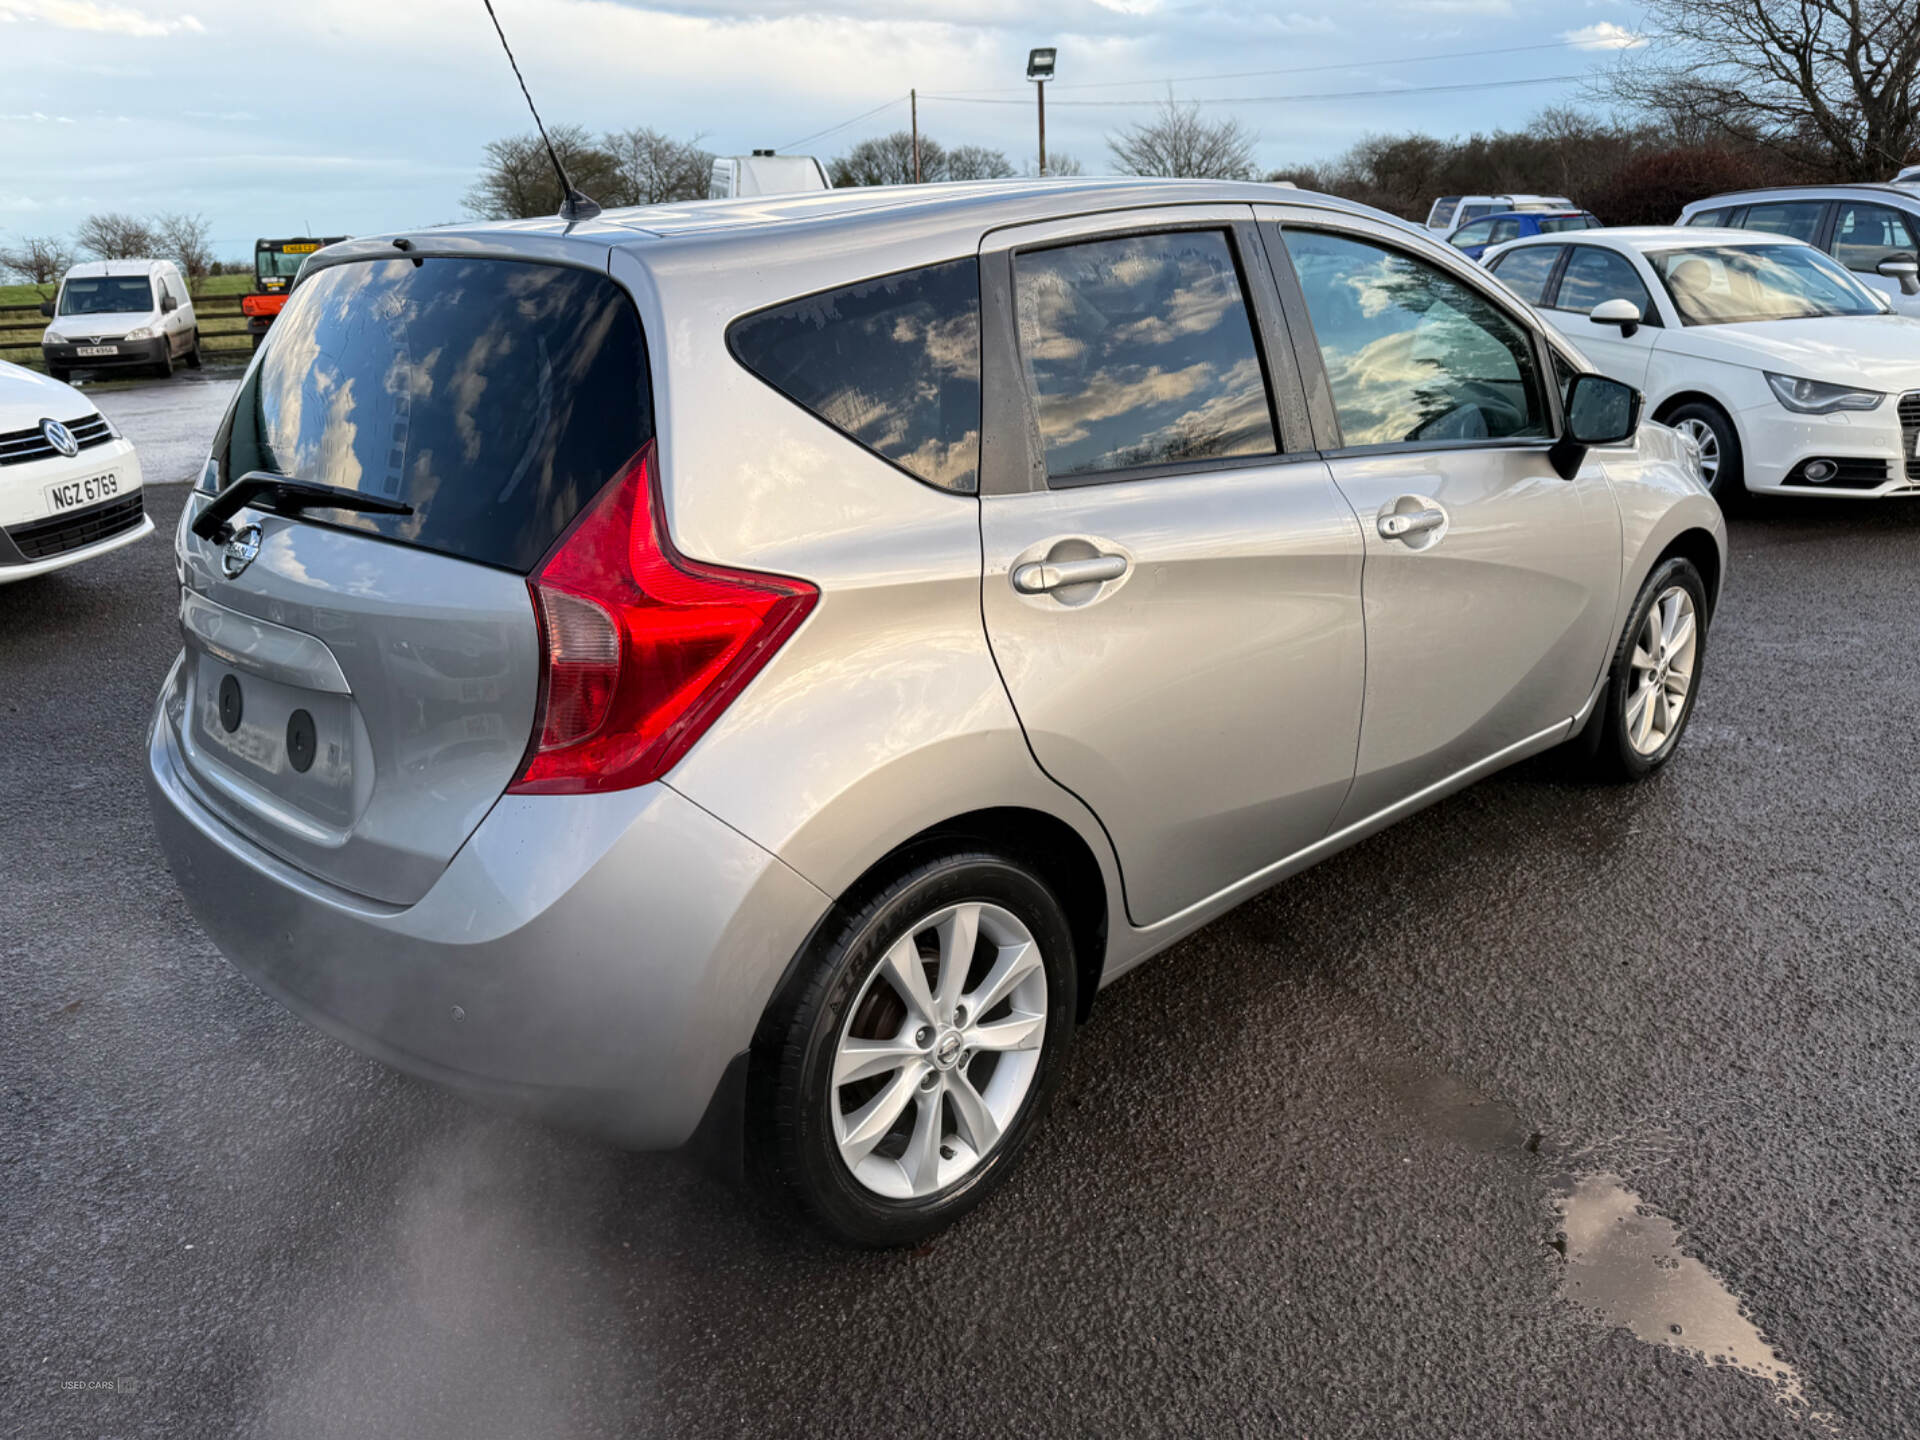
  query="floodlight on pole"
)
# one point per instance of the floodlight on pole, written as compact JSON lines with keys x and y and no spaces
{"x":1039,"y":71}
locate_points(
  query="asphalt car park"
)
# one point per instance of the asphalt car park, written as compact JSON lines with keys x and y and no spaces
{"x":1309,"y":1172}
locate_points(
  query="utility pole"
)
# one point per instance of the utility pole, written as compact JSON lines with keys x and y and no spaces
{"x":913,"y":109}
{"x":1039,"y":71}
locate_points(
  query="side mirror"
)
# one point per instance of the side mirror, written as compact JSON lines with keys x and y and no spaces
{"x":1903,"y":269}
{"x":46,"y":308}
{"x":168,"y":305}
{"x":1600,"y":411}
{"x":1623,"y":313}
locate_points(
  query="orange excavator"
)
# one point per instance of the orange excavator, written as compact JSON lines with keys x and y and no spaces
{"x":275,"y":263}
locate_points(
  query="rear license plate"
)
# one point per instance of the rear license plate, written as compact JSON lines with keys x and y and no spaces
{"x":72,"y":494}
{"x":90,"y":351}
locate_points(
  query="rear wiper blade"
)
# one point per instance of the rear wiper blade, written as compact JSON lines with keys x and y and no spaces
{"x":287,"y":496}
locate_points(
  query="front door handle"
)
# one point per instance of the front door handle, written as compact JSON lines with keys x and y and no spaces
{"x":1043,"y":576}
{"x":1403,"y":525}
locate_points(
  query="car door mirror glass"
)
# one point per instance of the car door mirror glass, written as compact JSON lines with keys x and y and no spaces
{"x":46,"y":308}
{"x":1601,"y":410}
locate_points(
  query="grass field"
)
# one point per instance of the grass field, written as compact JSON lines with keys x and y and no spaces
{"x":212,"y":285}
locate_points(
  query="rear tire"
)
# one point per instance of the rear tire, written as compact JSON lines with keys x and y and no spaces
{"x":1722,"y":463}
{"x":884,"y":1115}
{"x":1655,"y":677}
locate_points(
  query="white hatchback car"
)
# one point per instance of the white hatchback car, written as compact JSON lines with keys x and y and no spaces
{"x":69,"y":482}
{"x":1788,"y":373}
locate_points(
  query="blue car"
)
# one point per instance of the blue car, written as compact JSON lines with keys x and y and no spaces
{"x":1474,"y":240}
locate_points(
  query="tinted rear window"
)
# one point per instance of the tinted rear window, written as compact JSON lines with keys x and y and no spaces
{"x":892,"y":363}
{"x":496,"y":397}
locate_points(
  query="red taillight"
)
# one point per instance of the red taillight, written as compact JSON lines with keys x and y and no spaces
{"x":641,"y":647}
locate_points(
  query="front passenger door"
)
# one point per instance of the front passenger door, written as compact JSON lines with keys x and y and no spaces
{"x":1490,"y":581}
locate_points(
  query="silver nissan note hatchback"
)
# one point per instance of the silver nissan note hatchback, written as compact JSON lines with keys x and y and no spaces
{"x":746,"y":673}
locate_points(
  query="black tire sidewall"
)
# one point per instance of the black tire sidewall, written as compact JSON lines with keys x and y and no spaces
{"x":1617,"y":751}
{"x":1731,"y":483}
{"x":803,"y":1148}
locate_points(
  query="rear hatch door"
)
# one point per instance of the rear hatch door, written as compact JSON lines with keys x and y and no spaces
{"x":359,"y":689}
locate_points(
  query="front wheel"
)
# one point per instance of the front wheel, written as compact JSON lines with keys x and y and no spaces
{"x":896,"y":1083}
{"x":1656,"y":674}
{"x":193,"y":351}
{"x":1722,"y":465}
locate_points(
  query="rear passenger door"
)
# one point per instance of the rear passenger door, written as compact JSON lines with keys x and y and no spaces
{"x":1172,"y":580}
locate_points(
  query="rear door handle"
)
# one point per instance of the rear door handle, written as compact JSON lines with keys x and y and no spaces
{"x":1404,"y":524}
{"x":1045,"y":575}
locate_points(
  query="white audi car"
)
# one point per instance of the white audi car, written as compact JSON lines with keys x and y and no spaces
{"x":1790,"y":375}
{"x":69,"y":482}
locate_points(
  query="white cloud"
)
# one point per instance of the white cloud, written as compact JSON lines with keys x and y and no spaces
{"x":1604,"y":36}
{"x":102,"y":19}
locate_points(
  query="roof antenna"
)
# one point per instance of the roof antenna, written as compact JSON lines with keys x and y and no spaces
{"x":575,"y":206}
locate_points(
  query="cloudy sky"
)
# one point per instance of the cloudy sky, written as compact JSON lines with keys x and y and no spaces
{"x":275,"y":117}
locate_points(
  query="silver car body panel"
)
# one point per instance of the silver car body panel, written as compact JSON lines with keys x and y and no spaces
{"x":551,"y":967}
{"x":616,"y":951}
{"x":420,"y":673}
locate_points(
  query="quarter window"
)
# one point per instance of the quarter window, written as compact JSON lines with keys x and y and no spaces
{"x":1865,"y":235}
{"x":1413,"y":355}
{"x":1139,"y":350}
{"x":892,"y":363}
{"x":1798,"y":218}
{"x":1594,"y":275}
{"x":1527,"y":271}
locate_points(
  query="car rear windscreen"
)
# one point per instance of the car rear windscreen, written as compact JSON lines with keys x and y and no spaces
{"x":495,"y":397}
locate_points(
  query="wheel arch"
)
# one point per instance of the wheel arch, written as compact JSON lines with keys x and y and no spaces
{"x":1699,"y":546}
{"x":1665,"y":408}
{"x":1051,"y":847}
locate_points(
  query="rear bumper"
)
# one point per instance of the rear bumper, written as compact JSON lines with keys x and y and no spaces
{"x":596,"y":960}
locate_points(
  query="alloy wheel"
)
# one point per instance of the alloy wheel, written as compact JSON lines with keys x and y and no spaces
{"x":1703,"y":436}
{"x":939,"y":1051}
{"x":1662,"y":666}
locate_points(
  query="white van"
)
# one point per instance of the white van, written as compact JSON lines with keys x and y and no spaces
{"x":1450,"y":212}
{"x":113,"y":314}
{"x":764,"y":173}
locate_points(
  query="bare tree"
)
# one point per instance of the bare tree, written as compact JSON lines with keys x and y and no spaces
{"x":116,"y":236}
{"x":1180,"y":141}
{"x":888,"y":160}
{"x":517,"y":180}
{"x":974,"y":162}
{"x":184,"y":238}
{"x":40,"y":260}
{"x":1832,"y":83}
{"x":1058,"y":163}
{"x":653,"y":168}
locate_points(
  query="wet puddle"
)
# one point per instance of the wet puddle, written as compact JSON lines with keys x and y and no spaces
{"x":1624,"y":1263}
